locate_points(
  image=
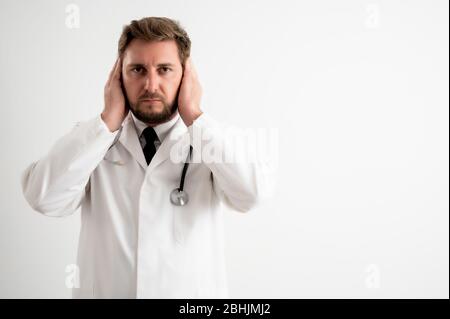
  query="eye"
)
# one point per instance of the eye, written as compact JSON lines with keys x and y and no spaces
{"x":165,"y":69}
{"x":137,"y":69}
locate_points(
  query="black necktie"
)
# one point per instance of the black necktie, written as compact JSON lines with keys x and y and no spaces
{"x":149,"y":148}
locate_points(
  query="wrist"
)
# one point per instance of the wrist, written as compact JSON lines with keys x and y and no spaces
{"x":193,"y":117}
{"x":109,"y":123}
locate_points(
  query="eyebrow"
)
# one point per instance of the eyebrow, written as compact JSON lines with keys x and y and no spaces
{"x":166,"y":64}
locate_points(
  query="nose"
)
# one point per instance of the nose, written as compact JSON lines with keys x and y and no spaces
{"x":151,"y":82}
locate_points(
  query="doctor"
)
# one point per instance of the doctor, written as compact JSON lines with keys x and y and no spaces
{"x":118,"y":167}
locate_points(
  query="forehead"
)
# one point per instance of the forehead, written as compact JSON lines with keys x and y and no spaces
{"x":151,"y":52}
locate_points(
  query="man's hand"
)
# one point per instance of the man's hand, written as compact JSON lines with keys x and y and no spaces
{"x":115,"y":110}
{"x":190,"y":95}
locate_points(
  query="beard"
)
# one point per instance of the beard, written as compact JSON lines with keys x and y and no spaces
{"x":146,"y":112}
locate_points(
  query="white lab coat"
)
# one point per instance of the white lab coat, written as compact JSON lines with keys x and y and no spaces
{"x":133,"y":242}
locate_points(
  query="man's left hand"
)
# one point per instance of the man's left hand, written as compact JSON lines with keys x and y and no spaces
{"x":190,"y":95}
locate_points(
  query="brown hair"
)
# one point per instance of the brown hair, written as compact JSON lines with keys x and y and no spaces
{"x":156,"y":29}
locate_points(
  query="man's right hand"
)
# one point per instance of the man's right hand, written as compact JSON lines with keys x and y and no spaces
{"x":115,"y":109}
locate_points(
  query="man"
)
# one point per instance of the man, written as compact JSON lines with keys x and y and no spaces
{"x":120,"y":168}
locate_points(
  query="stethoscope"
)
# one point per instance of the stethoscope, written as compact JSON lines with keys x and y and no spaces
{"x":178,"y":196}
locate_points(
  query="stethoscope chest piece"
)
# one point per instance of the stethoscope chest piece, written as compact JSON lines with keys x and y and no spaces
{"x":179,"y":197}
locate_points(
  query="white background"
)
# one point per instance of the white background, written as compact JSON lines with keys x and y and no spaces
{"x":358,"y":91}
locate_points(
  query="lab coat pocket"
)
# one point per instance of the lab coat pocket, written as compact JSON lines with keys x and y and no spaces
{"x":184,"y":222}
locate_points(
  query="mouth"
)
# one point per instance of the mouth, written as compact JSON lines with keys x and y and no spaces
{"x":150,"y":101}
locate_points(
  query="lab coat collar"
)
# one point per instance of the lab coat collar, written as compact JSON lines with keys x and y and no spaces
{"x":130,"y":140}
{"x":161,"y":130}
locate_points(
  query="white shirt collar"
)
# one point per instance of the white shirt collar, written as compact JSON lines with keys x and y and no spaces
{"x":161,"y":129}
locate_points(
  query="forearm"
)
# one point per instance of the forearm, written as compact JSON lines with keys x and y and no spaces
{"x":239,"y":181}
{"x":57,"y":181}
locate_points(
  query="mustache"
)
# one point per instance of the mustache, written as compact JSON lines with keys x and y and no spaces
{"x":151,"y":96}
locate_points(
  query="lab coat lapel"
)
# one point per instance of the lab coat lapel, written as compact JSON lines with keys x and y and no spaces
{"x":130,"y":141}
{"x":177,"y":137}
